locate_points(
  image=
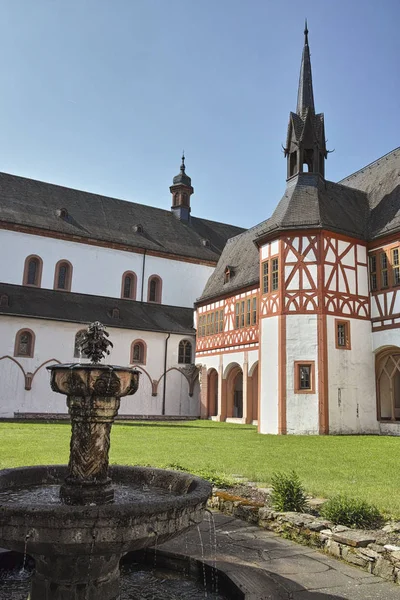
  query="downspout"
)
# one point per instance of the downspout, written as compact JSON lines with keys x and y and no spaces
{"x":144,"y":262}
{"x":165,"y":374}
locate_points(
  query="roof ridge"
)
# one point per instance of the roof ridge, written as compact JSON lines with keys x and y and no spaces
{"x":248,"y":230}
{"x":369,"y":164}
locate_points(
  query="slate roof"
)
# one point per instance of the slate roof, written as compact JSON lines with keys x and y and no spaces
{"x":84,"y":308}
{"x":381,"y":181}
{"x":34,"y":203}
{"x":311,"y":201}
{"x":241,"y":254}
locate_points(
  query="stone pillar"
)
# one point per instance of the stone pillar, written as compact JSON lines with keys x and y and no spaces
{"x":221,"y":394}
{"x":246,"y":392}
{"x":91,"y":420}
{"x":203,"y":393}
{"x":76,"y":577}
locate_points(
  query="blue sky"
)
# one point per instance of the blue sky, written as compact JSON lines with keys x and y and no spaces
{"x":103,"y":95}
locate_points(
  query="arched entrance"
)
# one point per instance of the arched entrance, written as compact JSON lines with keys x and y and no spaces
{"x":388,"y":384}
{"x":234,"y":392}
{"x":212,"y":393}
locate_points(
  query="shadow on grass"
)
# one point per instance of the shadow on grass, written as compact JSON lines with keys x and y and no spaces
{"x":173,"y":425}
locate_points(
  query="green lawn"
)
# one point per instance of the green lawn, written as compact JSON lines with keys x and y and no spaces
{"x":362,"y":466}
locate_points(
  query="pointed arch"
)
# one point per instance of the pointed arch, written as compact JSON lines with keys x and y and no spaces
{"x":185,"y":352}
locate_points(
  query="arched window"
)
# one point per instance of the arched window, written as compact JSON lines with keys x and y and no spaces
{"x":185,"y":352}
{"x":128,"y":287}
{"x":138,"y":352}
{"x":24,"y":343}
{"x":63,"y":275}
{"x":154,"y":289}
{"x":33,"y":271}
{"x":77,"y":345}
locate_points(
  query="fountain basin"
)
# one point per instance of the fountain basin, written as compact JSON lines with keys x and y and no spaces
{"x":175,"y":503}
{"x":85,"y":380}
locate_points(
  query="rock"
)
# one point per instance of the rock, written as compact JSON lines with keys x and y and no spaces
{"x":317,"y":526}
{"x":352,"y":557}
{"x":392,"y":527}
{"x":315,"y":503}
{"x":391,"y":548}
{"x":395,"y":556}
{"x":340,"y":528}
{"x":265,"y":514}
{"x":383,"y":568}
{"x":377,"y":548}
{"x":326,"y":532}
{"x":334,"y":548}
{"x":369,"y":553}
{"x":353,"y":538}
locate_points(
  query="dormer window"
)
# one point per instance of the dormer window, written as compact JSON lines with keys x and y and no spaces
{"x":4,"y":302}
{"x":62,"y":213}
{"x":138,"y":228}
{"x":206,"y":243}
{"x":228,"y":274}
{"x":115,"y":313}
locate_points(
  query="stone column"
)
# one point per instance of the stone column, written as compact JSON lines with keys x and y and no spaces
{"x":203,"y":393}
{"x":76,"y":577}
{"x":221,"y":394}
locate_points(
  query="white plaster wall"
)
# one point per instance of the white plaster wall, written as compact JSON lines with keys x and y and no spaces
{"x":387,"y":337}
{"x":268,"y":402}
{"x":301,"y":344}
{"x":389,"y":429}
{"x":98,"y":270}
{"x":351,"y":377}
{"x":56,"y":340}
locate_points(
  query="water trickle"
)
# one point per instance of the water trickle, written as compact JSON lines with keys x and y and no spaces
{"x":202,"y":562}
{"x":213,"y":550}
{"x":28,"y":535}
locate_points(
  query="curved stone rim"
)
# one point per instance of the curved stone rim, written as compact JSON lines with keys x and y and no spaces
{"x":191,"y":491}
{"x":90,"y":367}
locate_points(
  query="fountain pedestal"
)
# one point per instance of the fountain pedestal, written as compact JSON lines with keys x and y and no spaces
{"x":65,"y":577}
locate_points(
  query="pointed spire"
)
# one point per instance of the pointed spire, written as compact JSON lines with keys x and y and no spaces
{"x":183,"y":162}
{"x":305,"y":96}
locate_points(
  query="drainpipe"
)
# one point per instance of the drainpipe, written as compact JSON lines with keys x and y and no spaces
{"x":144,"y":262}
{"x":165,"y":375}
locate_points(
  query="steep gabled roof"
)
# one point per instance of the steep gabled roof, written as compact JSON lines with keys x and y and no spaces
{"x":241,"y":255}
{"x":33,"y":203}
{"x":41,"y":303}
{"x":381,"y":181}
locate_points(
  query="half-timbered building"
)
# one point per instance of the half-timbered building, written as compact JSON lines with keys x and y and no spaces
{"x":298,"y":325}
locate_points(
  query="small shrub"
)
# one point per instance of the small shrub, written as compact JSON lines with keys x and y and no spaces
{"x":288,"y":493}
{"x":343,"y":510}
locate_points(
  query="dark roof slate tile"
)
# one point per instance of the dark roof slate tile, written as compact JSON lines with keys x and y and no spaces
{"x":84,"y":308}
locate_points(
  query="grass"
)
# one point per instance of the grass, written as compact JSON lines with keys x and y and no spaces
{"x":364,"y":467}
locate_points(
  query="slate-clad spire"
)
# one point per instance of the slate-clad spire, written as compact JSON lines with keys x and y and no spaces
{"x":305,"y":96}
{"x":305,"y":143}
{"x":181,"y":190}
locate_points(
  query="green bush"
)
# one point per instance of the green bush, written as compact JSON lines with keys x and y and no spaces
{"x":288,"y":493}
{"x":344,"y":510}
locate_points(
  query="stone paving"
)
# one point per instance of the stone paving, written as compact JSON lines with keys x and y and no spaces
{"x":267,"y":567}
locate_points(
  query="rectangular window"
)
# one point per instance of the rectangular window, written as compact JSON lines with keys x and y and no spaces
{"x":221,"y":320}
{"x":248,"y":312}
{"x":211,"y":323}
{"x":254,"y":312}
{"x":242,"y":313}
{"x":275,"y":274}
{"x":384,"y":270}
{"x":372,"y":273}
{"x":396,"y":266}
{"x":265,"y":278}
{"x":304,"y":377}
{"x":208,"y":325}
{"x":342,"y":334}
{"x":237,"y":318}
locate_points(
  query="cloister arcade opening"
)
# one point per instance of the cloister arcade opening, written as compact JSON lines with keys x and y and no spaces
{"x":388,"y":383}
{"x":234,"y":396}
{"x":212,"y":393}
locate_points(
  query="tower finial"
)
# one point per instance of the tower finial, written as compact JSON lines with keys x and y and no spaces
{"x":305,"y":96}
{"x":183,"y":162}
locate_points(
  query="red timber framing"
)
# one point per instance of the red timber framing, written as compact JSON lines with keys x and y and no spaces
{"x":228,"y":325}
{"x":384,"y":280}
{"x":320,"y":273}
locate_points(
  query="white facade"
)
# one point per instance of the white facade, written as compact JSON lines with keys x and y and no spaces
{"x":98,"y":270}
{"x":55,"y":340}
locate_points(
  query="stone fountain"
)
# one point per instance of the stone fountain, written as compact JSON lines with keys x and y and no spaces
{"x":78,"y":521}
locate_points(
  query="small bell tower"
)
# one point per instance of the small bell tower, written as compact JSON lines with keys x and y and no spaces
{"x":181,"y":190}
{"x":305,"y":143}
